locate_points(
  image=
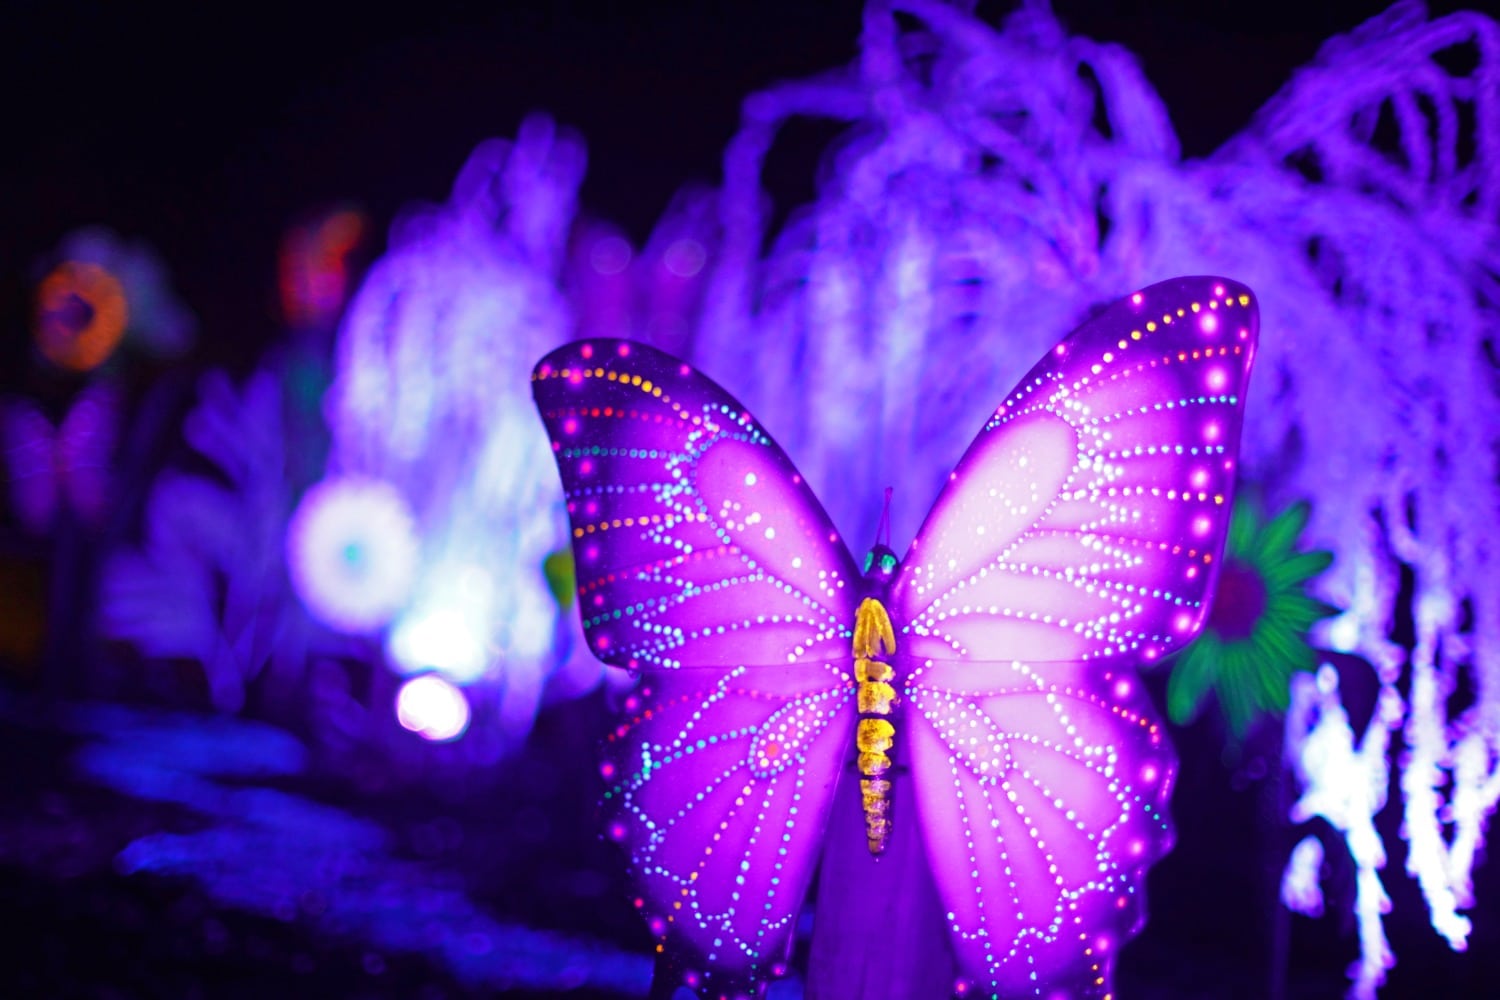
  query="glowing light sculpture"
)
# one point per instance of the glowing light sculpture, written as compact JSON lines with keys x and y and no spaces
{"x":429,"y":397}
{"x":1344,"y":780}
{"x":313,"y":267}
{"x":1033,"y":794}
{"x":1256,"y":634}
{"x":50,"y":469}
{"x":105,"y":288}
{"x":1402,"y":237}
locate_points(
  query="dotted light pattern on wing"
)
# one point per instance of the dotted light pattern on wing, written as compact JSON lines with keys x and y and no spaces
{"x":706,"y":564}
{"x":1078,"y":537}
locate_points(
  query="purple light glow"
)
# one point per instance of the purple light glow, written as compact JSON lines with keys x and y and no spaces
{"x":209,"y":581}
{"x":429,"y":396}
{"x":1044,"y":572}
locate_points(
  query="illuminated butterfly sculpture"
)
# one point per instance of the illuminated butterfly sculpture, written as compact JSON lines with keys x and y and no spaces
{"x":995,"y":663}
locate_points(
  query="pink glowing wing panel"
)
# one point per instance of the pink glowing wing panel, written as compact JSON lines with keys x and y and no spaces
{"x":1077,"y":539}
{"x":1042,"y":790}
{"x":719,"y":787}
{"x":31,"y":467}
{"x":46,"y":467}
{"x":85,"y":443}
{"x":705,"y":563}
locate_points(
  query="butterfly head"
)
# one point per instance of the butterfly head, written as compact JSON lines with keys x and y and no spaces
{"x":880,"y":564}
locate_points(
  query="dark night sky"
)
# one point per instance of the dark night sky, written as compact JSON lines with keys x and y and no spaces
{"x":206,"y":129}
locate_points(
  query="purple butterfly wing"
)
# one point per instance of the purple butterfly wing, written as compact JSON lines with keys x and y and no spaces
{"x":1078,"y":537}
{"x":30,"y":464}
{"x":85,"y":444}
{"x":705,"y":562}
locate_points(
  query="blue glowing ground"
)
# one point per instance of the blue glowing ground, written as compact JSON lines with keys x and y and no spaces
{"x":181,"y":830}
{"x":159,"y":854}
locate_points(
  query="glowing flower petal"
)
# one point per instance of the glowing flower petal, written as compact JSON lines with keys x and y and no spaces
{"x":352,"y":553}
{"x":104,"y":288}
{"x":81,"y":313}
{"x":1255,"y":638}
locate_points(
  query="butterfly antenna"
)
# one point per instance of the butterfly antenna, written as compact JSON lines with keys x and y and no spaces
{"x":883,"y":530}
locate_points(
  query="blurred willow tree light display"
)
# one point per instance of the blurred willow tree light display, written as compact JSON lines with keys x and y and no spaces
{"x":430,"y":406}
{"x":431,"y":400}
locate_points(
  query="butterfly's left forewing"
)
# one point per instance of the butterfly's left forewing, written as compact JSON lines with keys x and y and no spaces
{"x":705,"y":563}
{"x":1078,"y":538}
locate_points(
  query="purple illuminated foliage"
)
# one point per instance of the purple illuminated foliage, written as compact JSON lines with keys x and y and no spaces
{"x":655,"y":295}
{"x":208,"y":583}
{"x":1344,"y":777}
{"x":964,"y":207}
{"x":1076,"y":539}
{"x":429,"y":359}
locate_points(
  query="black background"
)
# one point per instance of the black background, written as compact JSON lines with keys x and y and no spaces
{"x":207,"y":129}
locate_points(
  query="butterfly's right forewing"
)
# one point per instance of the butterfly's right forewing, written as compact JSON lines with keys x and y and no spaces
{"x":705,"y":563}
{"x":1077,"y":540}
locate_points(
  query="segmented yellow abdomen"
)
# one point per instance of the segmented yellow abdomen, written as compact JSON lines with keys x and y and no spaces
{"x":875,"y":735}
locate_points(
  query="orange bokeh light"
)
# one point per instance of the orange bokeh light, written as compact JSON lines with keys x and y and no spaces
{"x":81,"y":314}
{"x":314,"y":267}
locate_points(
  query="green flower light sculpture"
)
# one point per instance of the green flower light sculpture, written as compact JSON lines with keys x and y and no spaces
{"x":1256,"y":634}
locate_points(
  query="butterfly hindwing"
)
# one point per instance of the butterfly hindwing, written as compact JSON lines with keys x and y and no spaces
{"x":1077,"y":538}
{"x":705,"y":563}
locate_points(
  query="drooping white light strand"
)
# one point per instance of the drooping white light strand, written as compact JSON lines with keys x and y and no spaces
{"x":1300,"y":891}
{"x":1343,"y":780}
